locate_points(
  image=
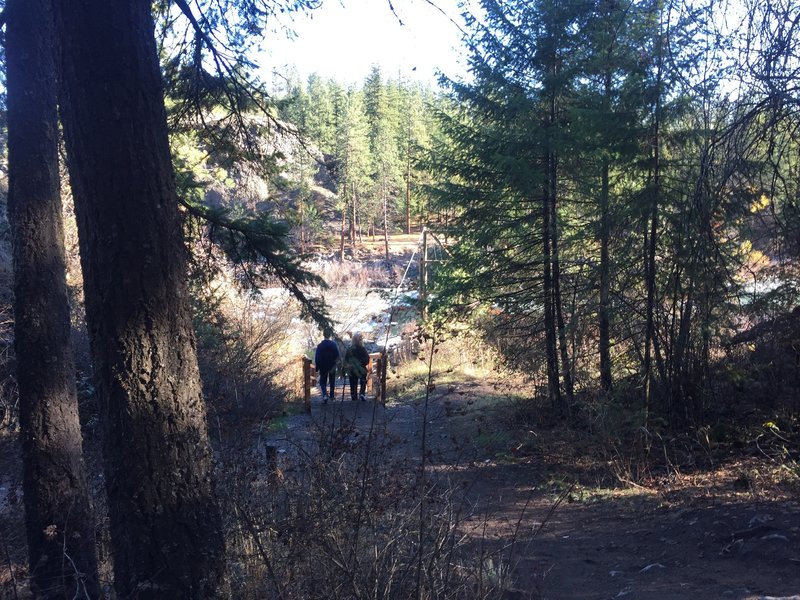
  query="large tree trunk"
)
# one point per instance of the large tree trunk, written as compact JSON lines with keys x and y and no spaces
{"x":166,"y":529}
{"x":58,"y":518}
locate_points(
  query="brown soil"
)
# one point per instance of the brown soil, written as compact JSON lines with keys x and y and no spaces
{"x":543,"y":504}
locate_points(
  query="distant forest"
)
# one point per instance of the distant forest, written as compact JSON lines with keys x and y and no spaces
{"x":619,"y":182}
{"x":371,"y":140}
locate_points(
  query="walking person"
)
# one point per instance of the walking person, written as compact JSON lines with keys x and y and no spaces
{"x":356,"y":360}
{"x":325,"y":358}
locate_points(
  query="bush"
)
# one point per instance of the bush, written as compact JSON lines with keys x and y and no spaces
{"x":239,"y":347}
{"x":340,"y":518}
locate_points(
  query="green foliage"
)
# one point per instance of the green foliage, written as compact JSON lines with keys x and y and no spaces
{"x":572,"y":113}
{"x":353,"y":159}
{"x":224,"y":128}
{"x":586,"y":133}
{"x":380,"y":108}
{"x":259,"y":246}
{"x":371,"y":138}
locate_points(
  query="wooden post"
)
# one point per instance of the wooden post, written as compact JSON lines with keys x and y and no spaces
{"x":384,"y":363}
{"x":307,"y":384}
{"x":376,"y":388}
{"x":369,"y":375}
{"x":373,"y":375}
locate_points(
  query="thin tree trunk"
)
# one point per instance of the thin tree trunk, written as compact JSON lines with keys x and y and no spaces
{"x":302,"y":229}
{"x":603,"y":310}
{"x":682,"y":354}
{"x":658,"y":356}
{"x":58,"y":516}
{"x":341,"y":239}
{"x":353,"y":218}
{"x":551,"y":351}
{"x":408,"y":194}
{"x":650,"y":284}
{"x":650,"y":260}
{"x":423,"y":274}
{"x":386,"y":224}
{"x":553,"y":385}
{"x":566,"y":372}
{"x":166,"y":527}
{"x":605,"y":284}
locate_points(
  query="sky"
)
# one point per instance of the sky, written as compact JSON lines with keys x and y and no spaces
{"x":344,"y":38}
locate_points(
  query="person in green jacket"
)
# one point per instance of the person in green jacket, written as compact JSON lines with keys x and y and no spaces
{"x":356,"y":361}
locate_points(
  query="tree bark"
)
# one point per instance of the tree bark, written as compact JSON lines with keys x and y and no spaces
{"x":650,"y":258}
{"x":58,"y":516}
{"x":553,"y":319}
{"x":566,"y":371}
{"x":408,"y":194}
{"x":603,"y":309}
{"x":604,"y":323}
{"x":342,"y":232}
{"x":166,"y":528}
{"x":353,"y":219}
{"x":553,"y":384}
{"x":302,"y":228}
{"x":423,"y":275}
{"x":386,"y":224}
{"x":650,"y":285}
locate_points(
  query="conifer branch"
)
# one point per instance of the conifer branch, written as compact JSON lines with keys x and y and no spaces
{"x":259,"y":241}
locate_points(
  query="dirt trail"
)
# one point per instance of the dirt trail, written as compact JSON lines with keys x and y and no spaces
{"x":704,"y":541}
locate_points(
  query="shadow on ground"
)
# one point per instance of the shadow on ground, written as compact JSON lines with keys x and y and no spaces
{"x":539,"y":522}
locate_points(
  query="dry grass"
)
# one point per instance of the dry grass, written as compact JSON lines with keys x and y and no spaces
{"x":351,"y":520}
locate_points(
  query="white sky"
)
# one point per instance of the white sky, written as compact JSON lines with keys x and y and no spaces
{"x":344,"y":38}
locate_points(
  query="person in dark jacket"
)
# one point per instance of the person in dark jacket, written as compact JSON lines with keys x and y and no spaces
{"x":325,"y":360}
{"x":356,"y":361}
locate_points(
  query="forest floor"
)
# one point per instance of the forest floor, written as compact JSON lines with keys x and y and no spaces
{"x":547,"y":505}
{"x":551,"y":511}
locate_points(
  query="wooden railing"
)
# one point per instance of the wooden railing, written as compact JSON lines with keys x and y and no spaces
{"x":376,"y":378}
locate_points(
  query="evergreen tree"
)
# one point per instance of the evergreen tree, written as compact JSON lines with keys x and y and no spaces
{"x":413,"y":134}
{"x":353,"y":163}
{"x":510,"y":133}
{"x":321,"y":124}
{"x":58,"y":517}
{"x":605,"y":120}
{"x":166,"y":529}
{"x":381,"y":119}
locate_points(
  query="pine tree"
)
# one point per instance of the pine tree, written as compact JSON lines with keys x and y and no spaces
{"x":381,"y":119}
{"x":513,"y":126}
{"x":353,"y":163}
{"x":59,"y":521}
{"x":412,"y":138}
{"x":166,"y":529}
{"x":321,"y":126}
{"x":605,"y":118}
